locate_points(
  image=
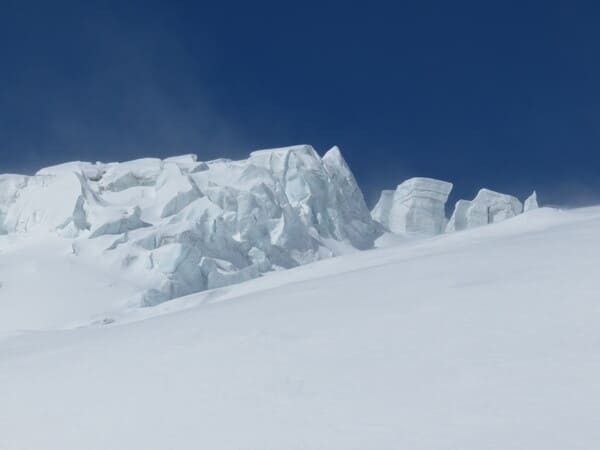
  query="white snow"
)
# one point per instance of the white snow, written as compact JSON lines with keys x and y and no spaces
{"x":46,"y":283}
{"x":484,"y":339}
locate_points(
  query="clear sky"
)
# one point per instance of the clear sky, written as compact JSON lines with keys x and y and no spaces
{"x":504,"y":95}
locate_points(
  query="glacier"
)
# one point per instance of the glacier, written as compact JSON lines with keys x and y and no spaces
{"x":416,"y":206}
{"x":177,"y":226}
{"x":531,"y":202}
{"x":487,"y":207}
{"x":180,"y":225}
{"x":480,"y":339}
{"x":464,"y":340}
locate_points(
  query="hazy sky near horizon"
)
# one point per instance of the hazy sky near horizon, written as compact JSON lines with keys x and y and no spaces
{"x":504,"y":95}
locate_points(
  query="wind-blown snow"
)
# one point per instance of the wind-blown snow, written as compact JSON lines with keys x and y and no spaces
{"x":484,"y":339}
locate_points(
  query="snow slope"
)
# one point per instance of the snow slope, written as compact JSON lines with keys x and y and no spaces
{"x":482,"y":339}
{"x":44,"y":285}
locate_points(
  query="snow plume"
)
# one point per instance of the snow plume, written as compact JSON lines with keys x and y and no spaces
{"x":142,"y":92}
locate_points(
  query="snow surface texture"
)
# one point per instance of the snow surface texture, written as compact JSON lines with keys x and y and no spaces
{"x":485,"y":339}
{"x":416,"y":206}
{"x":180,"y":226}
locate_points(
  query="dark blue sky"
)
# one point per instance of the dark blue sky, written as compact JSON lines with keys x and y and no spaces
{"x":504,"y":95}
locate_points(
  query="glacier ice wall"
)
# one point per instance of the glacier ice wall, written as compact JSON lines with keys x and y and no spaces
{"x":181,"y":225}
{"x":416,"y":206}
{"x":531,"y":202}
{"x":487,"y":207}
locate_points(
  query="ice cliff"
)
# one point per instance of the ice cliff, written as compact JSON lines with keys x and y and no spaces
{"x":416,"y":206}
{"x":181,"y":225}
{"x":487,"y":207}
